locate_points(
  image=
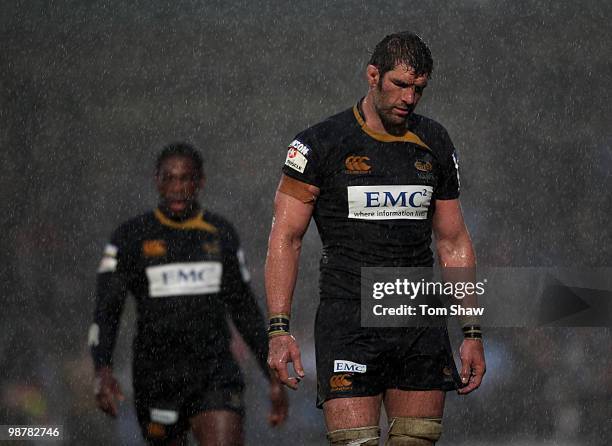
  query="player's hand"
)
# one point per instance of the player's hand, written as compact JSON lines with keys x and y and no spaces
{"x":280,"y":405}
{"x":283,"y":350}
{"x":107,"y":391}
{"x":473,"y":365}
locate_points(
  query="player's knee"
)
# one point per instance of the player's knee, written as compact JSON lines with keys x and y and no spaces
{"x":359,"y":436}
{"x":408,"y":431}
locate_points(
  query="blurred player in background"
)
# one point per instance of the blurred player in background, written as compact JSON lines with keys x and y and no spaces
{"x":377,"y":178}
{"x":184,"y":266}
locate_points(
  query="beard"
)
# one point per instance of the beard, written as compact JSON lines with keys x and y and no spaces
{"x":393,"y":123}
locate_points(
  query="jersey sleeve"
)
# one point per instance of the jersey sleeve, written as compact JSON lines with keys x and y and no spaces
{"x":240,"y":302}
{"x":111,"y":291}
{"x":448,"y":184}
{"x":303,"y":159}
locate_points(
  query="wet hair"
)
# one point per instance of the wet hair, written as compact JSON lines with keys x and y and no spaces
{"x":181,"y":149}
{"x":403,"y":48}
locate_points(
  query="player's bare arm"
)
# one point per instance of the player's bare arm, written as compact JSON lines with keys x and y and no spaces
{"x":293,"y":207}
{"x":453,"y":242}
{"x":455,"y":250}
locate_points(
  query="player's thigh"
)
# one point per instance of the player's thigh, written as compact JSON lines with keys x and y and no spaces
{"x":217,"y":428}
{"x":414,"y":403}
{"x":159,"y":415}
{"x":156,"y":433}
{"x":348,"y":413}
{"x":348,"y":364}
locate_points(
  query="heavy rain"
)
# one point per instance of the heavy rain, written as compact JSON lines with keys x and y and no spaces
{"x":91,"y":91}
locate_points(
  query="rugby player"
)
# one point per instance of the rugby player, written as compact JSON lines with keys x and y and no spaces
{"x":378,"y":179}
{"x":185,"y":268}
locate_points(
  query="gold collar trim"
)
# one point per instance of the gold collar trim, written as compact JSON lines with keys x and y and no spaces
{"x":383,"y":137}
{"x":196,"y":222}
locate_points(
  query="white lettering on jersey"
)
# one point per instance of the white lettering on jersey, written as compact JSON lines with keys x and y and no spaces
{"x":296,"y":160}
{"x":407,"y":202}
{"x":341,"y":365}
{"x":178,"y":279}
{"x":300,"y":147}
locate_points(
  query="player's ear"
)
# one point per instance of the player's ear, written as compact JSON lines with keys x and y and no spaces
{"x":372,"y":76}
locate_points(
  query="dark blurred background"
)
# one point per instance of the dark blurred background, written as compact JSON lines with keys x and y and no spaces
{"x":91,"y":90}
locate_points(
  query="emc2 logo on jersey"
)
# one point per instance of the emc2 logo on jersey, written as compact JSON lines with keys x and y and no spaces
{"x":389,"y":202}
{"x":180,"y":279}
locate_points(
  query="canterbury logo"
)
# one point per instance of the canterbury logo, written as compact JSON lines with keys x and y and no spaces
{"x":211,"y":248}
{"x":156,"y":430}
{"x":154,"y":248}
{"x":341,"y":382}
{"x":357,"y":164}
{"x":423,"y":166}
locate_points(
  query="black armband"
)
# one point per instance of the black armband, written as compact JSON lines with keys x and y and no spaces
{"x":279,"y":325}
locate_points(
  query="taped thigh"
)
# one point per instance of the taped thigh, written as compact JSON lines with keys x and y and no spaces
{"x":359,"y":436}
{"x":409,"y":431}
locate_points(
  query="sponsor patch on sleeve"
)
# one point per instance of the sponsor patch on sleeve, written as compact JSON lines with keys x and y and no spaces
{"x":300,"y":147}
{"x":93,"y":335}
{"x":108,"y":264}
{"x":296,"y":160}
{"x":110,"y":250}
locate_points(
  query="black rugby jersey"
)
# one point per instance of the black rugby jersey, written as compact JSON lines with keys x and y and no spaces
{"x":186,"y":277}
{"x":377,"y":195}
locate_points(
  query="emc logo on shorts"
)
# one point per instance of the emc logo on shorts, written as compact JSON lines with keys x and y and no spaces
{"x":341,"y":365}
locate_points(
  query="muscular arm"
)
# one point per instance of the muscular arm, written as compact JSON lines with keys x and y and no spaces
{"x":455,"y":250}
{"x":454,"y":246}
{"x":291,"y":218}
{"x":453,"y":242}
{"x":293,"y":207}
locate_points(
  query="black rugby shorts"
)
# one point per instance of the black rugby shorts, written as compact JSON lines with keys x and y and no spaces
{"x":355,"y":361}
{"x":165,"y":399}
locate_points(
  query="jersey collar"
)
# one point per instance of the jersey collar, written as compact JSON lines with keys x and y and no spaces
{"x":383,"y":137}
{"x":195,"y":222}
